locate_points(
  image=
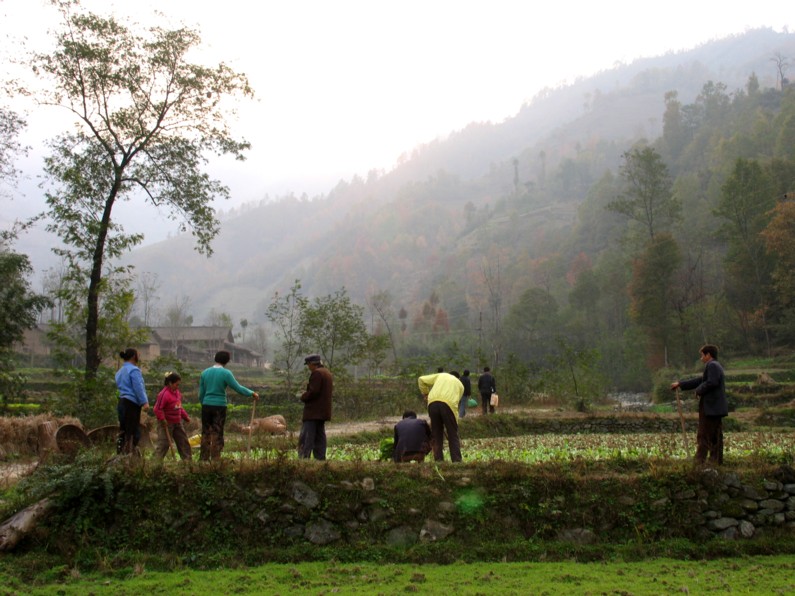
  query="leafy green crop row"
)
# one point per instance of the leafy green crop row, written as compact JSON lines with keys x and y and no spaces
{"x":774,"y":448}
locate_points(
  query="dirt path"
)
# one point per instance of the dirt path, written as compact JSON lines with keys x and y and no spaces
{"x":350,"y":428}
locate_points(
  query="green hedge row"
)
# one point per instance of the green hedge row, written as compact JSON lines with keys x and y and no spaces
{"x":254,"y":512}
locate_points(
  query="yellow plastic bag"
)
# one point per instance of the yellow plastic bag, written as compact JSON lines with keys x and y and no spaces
{"x":495,"y":400}
{"x":195,"y":440}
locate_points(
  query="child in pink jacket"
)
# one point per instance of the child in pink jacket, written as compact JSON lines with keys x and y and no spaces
{"x":170,"y":414}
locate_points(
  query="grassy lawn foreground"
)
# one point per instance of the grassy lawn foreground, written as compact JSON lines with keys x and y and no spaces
{"x":751,"y":575}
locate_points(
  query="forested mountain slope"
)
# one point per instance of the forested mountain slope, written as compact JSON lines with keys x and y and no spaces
{"x":500,"y":218}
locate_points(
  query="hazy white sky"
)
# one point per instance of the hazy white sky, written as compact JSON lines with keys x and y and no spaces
{"x":345,"y":86}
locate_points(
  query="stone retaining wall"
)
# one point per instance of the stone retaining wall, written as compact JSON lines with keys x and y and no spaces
{"x":294,"y":508}
{"x":736,"y":510}
{"x":718,"y":506}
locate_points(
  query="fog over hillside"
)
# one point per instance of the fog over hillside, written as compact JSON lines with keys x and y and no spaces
{"x":408,"y":229}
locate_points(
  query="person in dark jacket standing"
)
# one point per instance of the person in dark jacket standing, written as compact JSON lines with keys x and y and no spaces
{"x":317,"y":409}
{"x":412,"y":438}
{"x":712,"y":406}
{"x":467,"y":383}
{"x":486,"y":386}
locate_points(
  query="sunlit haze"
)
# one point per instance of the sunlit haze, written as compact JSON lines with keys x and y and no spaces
{"x":346,"y":86}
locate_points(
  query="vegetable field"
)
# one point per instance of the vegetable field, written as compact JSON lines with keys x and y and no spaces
{"x":774,"y":448}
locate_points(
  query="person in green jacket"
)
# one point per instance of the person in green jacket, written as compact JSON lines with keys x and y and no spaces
{"x":212,"y":397}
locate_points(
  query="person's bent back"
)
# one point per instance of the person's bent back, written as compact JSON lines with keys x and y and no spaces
{"x":412,"y":438}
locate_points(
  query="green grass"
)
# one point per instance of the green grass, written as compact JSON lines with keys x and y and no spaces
{"x":572,"y":454}
{"x":747,"y":575}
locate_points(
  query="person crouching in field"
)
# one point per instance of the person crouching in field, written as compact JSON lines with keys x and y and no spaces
{"x":412,"y":439}
{"x":712,"y":406}
{"x":170,"y":414}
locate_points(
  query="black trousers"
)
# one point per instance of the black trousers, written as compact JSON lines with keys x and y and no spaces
{"x":312,"y":440}
{"x":485,"y":401}
{"x":213,"y":422}
{"x":709,"y":439}
{"x":129,"y":422}
{"x":443,"y":419}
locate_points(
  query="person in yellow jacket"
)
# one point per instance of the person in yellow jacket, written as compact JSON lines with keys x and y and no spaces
{"x":442,"y":392}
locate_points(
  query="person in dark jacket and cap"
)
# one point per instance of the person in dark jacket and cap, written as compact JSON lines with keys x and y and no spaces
{"x":412,"y":438}
{"x":712,"y":406}
{"x":317,"y":409}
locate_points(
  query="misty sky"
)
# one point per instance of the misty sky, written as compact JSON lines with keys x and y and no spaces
{"x":345,"y":86}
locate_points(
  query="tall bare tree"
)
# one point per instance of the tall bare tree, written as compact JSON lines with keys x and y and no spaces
{"x":491,"y":277}
{"x":782,"y":65}
{"x":146,"y":296}
{"x":381,"y":303}
{"x":285,"y":312}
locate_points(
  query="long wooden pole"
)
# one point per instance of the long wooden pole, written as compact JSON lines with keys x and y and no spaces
{"x":682,"y":419}
{"x":251,"y":426}
{"x":170,"y":442}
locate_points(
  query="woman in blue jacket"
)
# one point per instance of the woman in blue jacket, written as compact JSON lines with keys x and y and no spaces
{"x":132,"y":399}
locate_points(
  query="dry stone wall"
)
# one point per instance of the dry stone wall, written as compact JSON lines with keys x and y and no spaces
{"x":736,"y":510}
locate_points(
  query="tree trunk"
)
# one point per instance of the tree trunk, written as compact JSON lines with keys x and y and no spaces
{"x":14,"y":529}
{"x":93,"y":356}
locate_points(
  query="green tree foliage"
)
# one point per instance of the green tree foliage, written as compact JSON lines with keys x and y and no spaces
{"x":596,"y":225}
{"x":145,"y":120}
{"x":330,"y":325}
{"x":87,"y":398}
{"x":746,"y":199}
{"x":114,"y":328}
{"x":584,"y":299}
{"x":19,"y":310}
{"x":285,"y":312}
{"x":573,"y":374}
{"x":219,"y":319}
{"x":531,"y":325}
{"x":11,"y":124}
{"x":374,"y":352}
{"x":381,"y":305}
{"x":334,"y":327}
{"x":19,"y":305}
{"x":675,"y":132}
{"x":652,"y":290}
{"x":778,"y":237}
{"x":784,"y":129}
{"x":647,"y":197}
